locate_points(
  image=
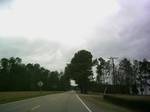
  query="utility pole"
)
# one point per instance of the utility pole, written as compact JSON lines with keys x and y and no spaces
{"x":113,"y":67}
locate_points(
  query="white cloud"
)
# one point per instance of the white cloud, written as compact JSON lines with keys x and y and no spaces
{"x":68,"y":21}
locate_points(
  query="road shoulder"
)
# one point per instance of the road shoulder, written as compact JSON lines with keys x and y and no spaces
{"x":97,"y":104}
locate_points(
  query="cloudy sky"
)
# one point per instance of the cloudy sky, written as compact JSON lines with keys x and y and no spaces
{"x":50,"y":31}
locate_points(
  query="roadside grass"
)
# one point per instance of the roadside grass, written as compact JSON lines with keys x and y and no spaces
{"x":103,"y":105}
{"x":6,"y":97}
{"x":131,"y":97}
{"x":140,"y":103}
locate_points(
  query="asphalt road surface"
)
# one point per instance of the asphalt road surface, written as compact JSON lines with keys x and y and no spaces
{"x":62,"y":102}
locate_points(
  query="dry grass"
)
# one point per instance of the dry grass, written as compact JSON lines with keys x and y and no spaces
{"x":15,"y":96}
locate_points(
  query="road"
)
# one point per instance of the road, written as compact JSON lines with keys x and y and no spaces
{"x":62,"y":102}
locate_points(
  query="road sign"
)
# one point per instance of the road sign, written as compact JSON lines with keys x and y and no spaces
{"x":40,"y":83}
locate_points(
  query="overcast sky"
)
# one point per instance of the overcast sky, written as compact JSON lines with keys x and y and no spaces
{"x":49,"y":32}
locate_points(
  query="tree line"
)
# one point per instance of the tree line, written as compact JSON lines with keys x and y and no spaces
{"x":17,"y":76}
{"x":125,"y":76}
{"x":128,"y":77}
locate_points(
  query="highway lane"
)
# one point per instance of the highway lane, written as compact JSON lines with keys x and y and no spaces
{"x":62,"y":102}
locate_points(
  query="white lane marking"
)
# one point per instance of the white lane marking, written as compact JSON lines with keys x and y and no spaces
{"x":83,"y":103}
{"x":36,"y":107}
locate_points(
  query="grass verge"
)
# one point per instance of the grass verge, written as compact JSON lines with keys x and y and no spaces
{"x":6,"y":97}
{"x":139,"y":103}
{"x":103,"y":105}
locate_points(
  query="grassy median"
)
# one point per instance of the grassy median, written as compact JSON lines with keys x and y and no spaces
{"x":15,"y":96}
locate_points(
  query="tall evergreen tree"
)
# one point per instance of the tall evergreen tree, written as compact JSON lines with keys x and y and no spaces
{"x":80,"y":69}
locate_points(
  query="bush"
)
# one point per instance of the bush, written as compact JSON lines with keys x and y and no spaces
{"x":140,"y":103}
{"x":110,"y":88}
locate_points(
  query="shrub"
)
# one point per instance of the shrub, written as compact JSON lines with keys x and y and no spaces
{"x":140,"y":103}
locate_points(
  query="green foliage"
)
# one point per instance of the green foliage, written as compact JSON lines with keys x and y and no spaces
{"x":101,"y":66}
{"x":128,"y":78}
{"x":143,"y":74}
{"x":16,"y":76}
{"x":125,"y":69}
{"x":80,"y":69}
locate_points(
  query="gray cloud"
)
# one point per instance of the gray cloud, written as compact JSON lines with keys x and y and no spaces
{"x":126,"y":34}
{"x":49,"y":54}
{"x":5,"y":2}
